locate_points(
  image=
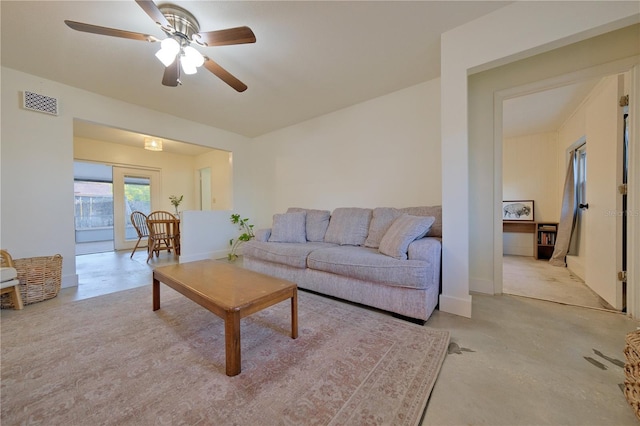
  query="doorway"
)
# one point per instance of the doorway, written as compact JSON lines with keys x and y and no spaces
{"x":534,"y":167}
{"x":134,"y":189}
{"x":105,"y":196}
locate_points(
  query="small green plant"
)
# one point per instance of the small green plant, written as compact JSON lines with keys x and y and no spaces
{"x":176,"y":201}
{"x":247,"y":234}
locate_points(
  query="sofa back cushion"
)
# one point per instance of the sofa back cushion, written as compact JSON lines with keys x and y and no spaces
{"x":288,"y":228}
{"x":433,"y":211}
{"x":402,"y":232}
{"x":348,"y":226}
{"x":381,"y":220}
{"x":317,"y":222}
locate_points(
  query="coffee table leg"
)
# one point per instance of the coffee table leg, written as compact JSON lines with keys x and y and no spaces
{"x":294,"y":314}
{"x":156,"y":294}
{"x":232,"y":342}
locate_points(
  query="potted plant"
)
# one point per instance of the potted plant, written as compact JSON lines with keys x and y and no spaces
{"x":176,"y":201}
{"x":247,"y":234}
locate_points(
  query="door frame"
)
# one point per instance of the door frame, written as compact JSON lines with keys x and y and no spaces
{"x":119,"y":218}
{"x":630,"y":65}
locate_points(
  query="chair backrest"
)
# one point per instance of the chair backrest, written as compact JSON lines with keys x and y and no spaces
{"x":139,"y":221}
{"x":159,"y":228}
{"x":6,"y":261}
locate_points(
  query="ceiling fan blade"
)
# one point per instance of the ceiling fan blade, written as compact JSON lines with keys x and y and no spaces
{"x":154,"y":13}
{"x":171,"y":75}
{"x":224,"y":75}
{"x":238,"y":35}
{"x":95,"y":29}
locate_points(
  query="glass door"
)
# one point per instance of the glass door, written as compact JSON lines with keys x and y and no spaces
{"x":133,"y":189}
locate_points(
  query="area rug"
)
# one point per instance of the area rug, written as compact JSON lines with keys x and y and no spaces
{"x":112,"y":360}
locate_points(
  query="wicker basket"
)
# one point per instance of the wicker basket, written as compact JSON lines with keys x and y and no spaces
{"x":632,"y":371}
{"x":40,"y":279}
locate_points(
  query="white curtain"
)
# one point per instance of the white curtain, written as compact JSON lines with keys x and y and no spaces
{"x":567,"y":215}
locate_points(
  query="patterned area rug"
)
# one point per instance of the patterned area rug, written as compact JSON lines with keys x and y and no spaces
{"x":112,"y":360}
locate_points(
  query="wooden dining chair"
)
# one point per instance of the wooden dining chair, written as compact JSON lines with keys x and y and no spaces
{"x":139,"y":222}
{"x":164,"y":233}
{"x":9,"y":282}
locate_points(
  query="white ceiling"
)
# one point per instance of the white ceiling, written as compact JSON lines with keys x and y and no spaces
{"x":544,"y":111}
{"x":310,"y":58}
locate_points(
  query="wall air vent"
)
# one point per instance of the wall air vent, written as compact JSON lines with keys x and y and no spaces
{"x":40,"y":103}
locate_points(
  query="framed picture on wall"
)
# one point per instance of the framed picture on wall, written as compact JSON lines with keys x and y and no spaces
{"x":517,"y":210}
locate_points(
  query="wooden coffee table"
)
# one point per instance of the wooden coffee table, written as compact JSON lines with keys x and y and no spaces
{"x":231,"y":293}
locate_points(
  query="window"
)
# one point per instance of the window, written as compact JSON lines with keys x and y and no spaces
{"x":581,"y":174}
{"x":93,"y":210}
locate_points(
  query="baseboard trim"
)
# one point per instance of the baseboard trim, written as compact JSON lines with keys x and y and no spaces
{"x":455,"y":305}
{"x":217,"y":254}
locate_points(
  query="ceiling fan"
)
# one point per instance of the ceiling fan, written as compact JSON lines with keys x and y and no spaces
{"x":176,"y":52}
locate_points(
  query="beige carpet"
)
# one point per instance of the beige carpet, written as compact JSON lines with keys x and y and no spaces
{"x":112,"y":360}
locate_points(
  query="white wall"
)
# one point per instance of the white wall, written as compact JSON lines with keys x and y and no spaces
{"x":383,"y":152}
{"x":36,"y":164}
{"x":530,"y":172}
{"x":221,"y":178}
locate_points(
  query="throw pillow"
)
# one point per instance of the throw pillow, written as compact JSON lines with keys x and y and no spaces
{"x":317,"y":222}
{"x":348,"y":226}
{"x":435,"y":211}
{"x":402,"y":232}
{"x":382,"y":219}
{"x":289,"y":228}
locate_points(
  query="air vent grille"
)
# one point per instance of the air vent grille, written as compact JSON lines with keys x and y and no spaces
{"x":40,"y":103}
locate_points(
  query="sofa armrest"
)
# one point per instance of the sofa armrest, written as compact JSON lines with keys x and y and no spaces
{"x":262,"y":234}
{"x":428,"y":248}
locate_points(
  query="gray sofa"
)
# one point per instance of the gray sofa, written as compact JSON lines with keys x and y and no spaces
{"x":386,"y":258}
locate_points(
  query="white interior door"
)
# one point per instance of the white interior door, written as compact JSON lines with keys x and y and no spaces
{"x":133,"y":189}
{"x":603,"y":219}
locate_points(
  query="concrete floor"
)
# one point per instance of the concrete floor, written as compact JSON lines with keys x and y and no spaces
{"x":517,"y":361}
{"x":526,"y":276}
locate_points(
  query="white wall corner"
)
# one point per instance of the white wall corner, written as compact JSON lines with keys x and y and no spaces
{"x":70,"y":280}
{"x":479,"y":285}
{"x":455,"y":305}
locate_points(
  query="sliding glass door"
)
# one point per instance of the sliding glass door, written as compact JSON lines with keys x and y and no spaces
{"x":133,"y":189}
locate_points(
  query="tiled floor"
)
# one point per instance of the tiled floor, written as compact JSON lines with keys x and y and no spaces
{"x":108,"y":272}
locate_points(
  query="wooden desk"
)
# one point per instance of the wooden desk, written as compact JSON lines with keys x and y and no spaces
{"x":544,"y":235}
{"x":521,"y":226}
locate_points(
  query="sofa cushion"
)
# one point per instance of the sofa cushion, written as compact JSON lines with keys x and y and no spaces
{"x":433,"y":211}
{"x":290,"y":254}
{"x":317,"y":222}
{"x":381,"y":220}
{"x":348,"y":226}
{"x":367,"y":264}
{"x":289,"y":228}
{"x":405,"y":229}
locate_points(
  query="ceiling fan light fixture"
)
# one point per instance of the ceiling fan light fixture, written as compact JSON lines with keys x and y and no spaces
{"x":169,"y":48}
{"x":187,"y":66}
{"x":153,"y":144}
{"x":193,"y":56}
